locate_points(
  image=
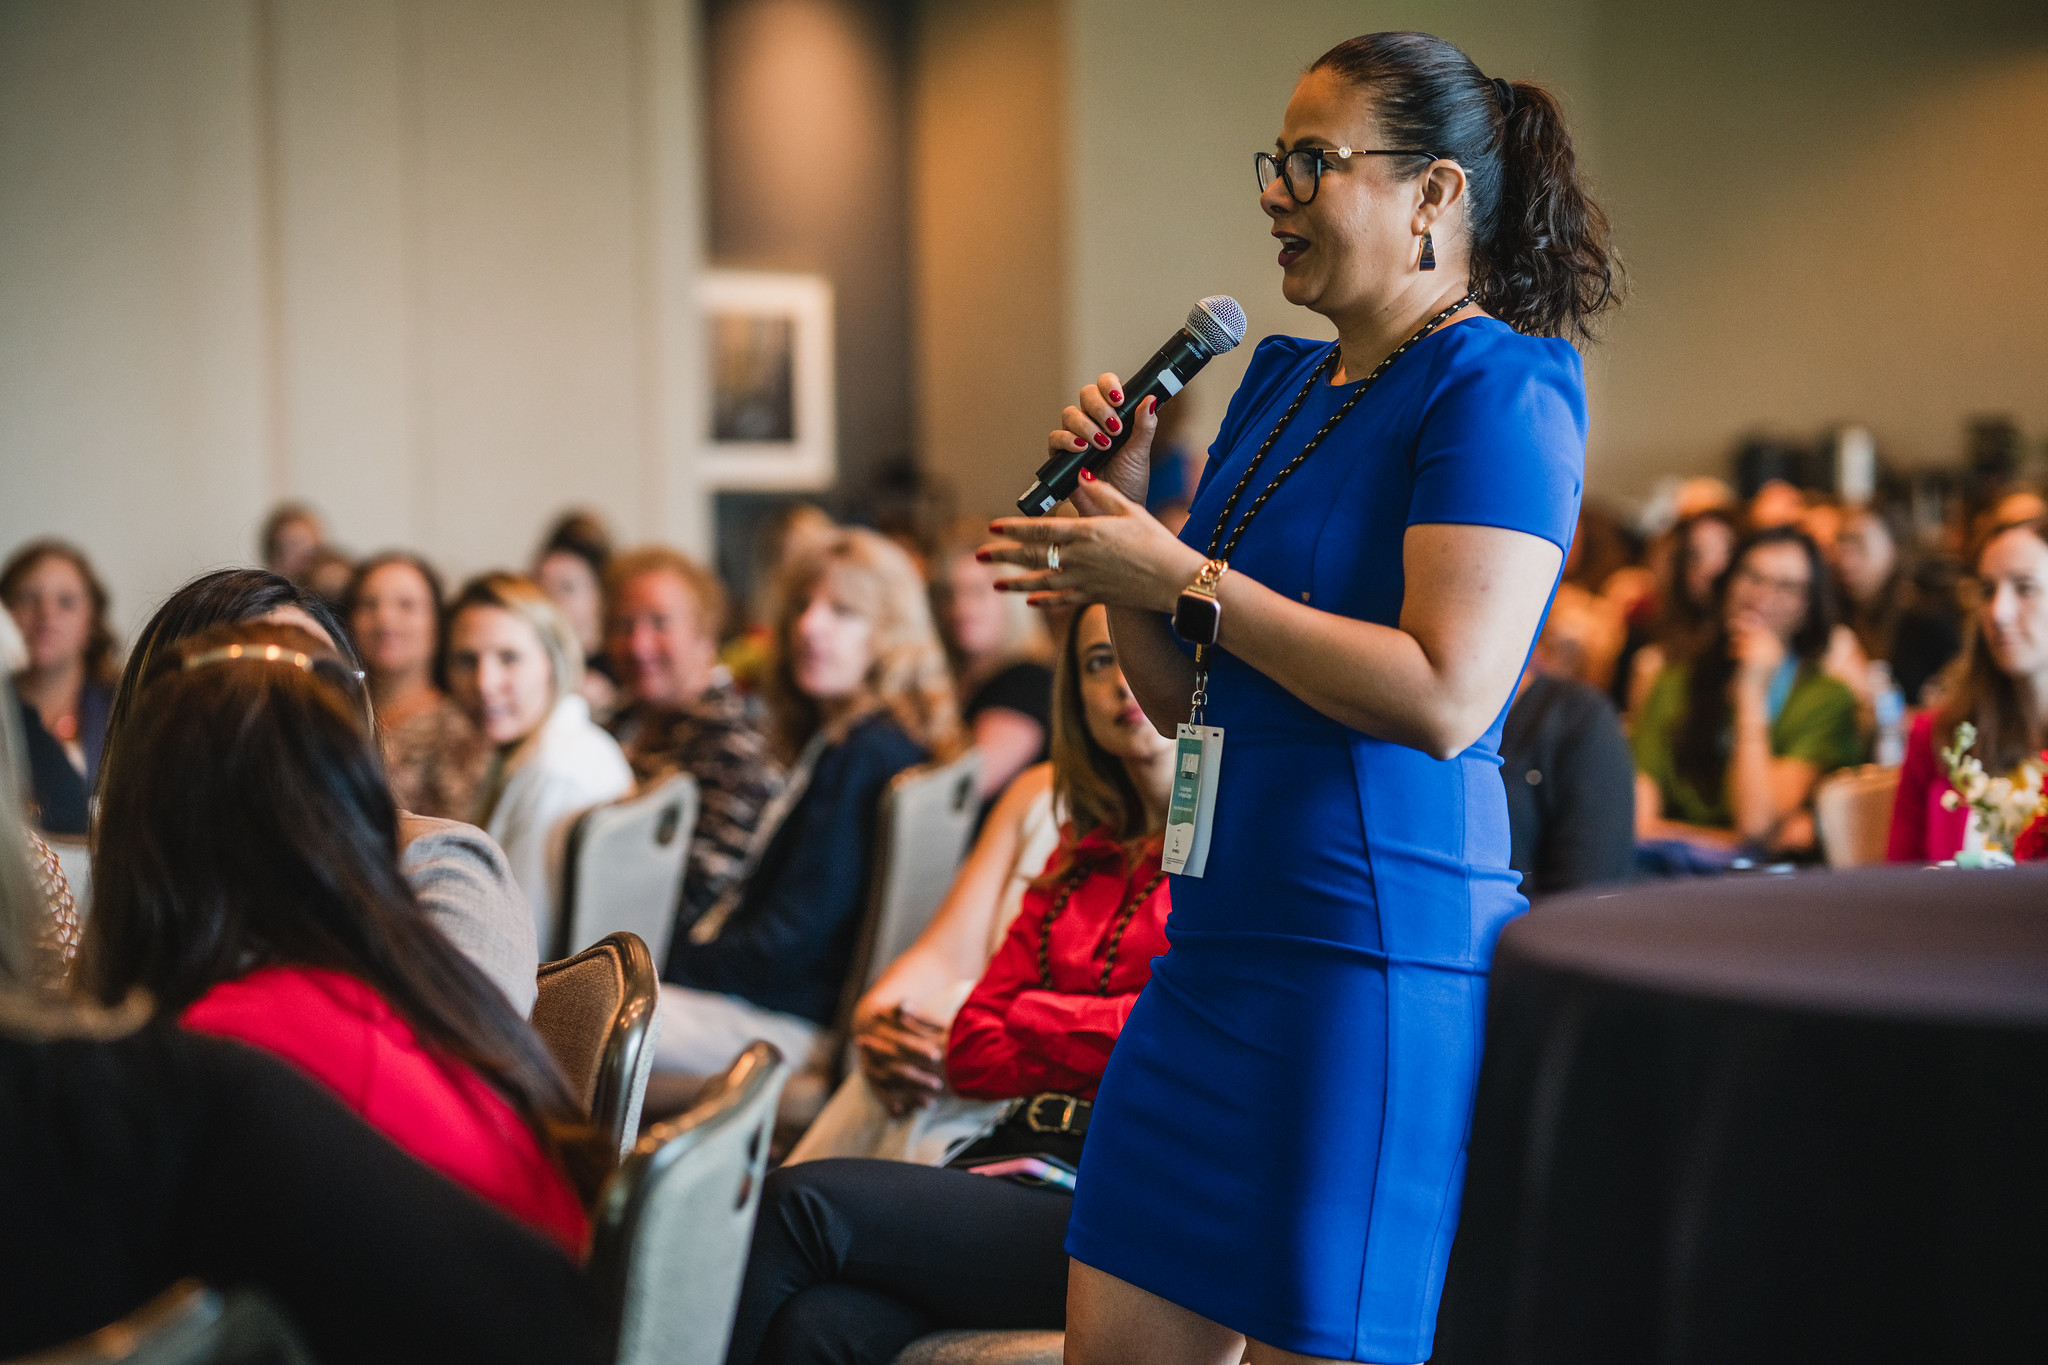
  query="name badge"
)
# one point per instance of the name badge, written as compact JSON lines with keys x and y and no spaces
{"x":1198,"y":759}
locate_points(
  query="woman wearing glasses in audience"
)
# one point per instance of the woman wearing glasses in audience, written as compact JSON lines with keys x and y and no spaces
{"x":2000,"y":685}
{"x":67,"y":688}
{"x":857,"y":693}
{"x":514,"y":666}
{"x":1277,"y":1153}
{"x":434,"y":755}
{"x":456,"y":871}
{"x":1730,"y":746}
{"x":210,"y":1160}
{"x":853,"y":1260}
{"x":247,"y":878}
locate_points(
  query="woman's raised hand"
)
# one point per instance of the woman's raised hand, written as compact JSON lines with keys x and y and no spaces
{"x":1114,"y":552}
{"x":1093,"y":421}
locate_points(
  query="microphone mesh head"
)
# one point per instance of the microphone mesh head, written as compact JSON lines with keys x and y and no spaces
{"x":1217,"y":322}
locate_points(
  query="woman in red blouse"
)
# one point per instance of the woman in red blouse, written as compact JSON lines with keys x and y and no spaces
{"x":2000,"y":685}
{"x":247,"y":877}
{"x":854,"y":1259}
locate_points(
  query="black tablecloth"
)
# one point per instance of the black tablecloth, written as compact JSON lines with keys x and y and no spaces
{"x":1763,"y":1118}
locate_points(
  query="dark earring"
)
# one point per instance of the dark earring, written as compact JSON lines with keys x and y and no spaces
{"x":1428,"y":251}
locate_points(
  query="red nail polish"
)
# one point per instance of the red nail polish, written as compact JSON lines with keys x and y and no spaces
{"x":1102,"y":440}
{"x":1116,"y":396}
{"x":984,"y":556}
{"x":1087,"y":476}
{"x":1151,"y":407}
{"x":994,"y":529}
{"x":1114,"y":426}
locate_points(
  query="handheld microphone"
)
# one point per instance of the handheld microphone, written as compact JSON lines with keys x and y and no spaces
{"x":1214,"y":325}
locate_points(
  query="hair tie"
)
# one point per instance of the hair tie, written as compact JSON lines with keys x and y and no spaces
{"x":1504,"y":95}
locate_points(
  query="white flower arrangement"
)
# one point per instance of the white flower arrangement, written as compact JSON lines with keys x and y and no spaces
{"x":2000,"y":807}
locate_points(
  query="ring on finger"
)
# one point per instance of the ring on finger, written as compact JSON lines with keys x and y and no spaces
{"x":1052,"y":559}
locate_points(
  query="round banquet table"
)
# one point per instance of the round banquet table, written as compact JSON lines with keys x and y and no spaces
{"x":1763,"y":1119}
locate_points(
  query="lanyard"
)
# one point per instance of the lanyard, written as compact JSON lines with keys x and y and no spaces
{"x":1222,"y":549}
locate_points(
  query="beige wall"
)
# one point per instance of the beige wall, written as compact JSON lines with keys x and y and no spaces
{"x":1833,"y":211}
{"x":989,"y":190}
{"x":423,"y":262}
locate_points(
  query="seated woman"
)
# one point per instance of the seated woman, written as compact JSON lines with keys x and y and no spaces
{"x":2000,"y":685}
{"x":998,"y":648}
{"x":67,"y":688}
{"x":514,"y":667}
{"x":434,"y":755}
{"x":456,"y":871}
{"x":857,"y":693}
{"x":1728,"y":747}
{"x":248,"y":879}
{"x":852,"y":1260}
{"x":570,"y":568}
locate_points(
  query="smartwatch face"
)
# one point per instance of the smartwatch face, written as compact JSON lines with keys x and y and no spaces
{"x":1196,"y":617}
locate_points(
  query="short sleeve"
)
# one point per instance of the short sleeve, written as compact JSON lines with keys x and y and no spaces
{"x":1273,"y":363}
{"x":1502,"y":440}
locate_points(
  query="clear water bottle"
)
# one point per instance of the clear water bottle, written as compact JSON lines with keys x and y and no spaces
{"x":1890,"y":705}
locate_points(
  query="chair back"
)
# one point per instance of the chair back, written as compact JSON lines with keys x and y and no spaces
{"x":596,"y":1011}
{"x":675,"y":1221}
{"x":188,"y":1324}
{"x":921,"y":836}
{"x":624,"y":868}
{"x":1853,"y":808}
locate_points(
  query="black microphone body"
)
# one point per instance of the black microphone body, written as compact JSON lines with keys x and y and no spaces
{"x":1163,"y":376}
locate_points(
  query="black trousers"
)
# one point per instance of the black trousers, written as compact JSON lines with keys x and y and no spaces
{"x":854,"y":1260}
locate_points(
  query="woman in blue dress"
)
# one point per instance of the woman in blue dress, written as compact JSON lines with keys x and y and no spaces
{"x":1278,"y":1151}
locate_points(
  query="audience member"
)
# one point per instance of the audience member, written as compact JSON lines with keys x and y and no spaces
{"x":67,"y":686}
{"x":570,"y":569}
{"x":1700,"y":548}
{"x":248,"y":879}
{"x":852,"y":1260}
{"x":39,"y":929}
{"x":1891,"y":619}
{"x":682,"y":713}
{"x":858,"y":693}
{"x":137,"y":1159}
{"x":514,"y":666}
{"x":457,"y":873}
{"x":1999,"y":685}
{"x":1570,"y":781}
{"x":1728,"y":747}
{"x":434,"y":755}
{"x":1777,"y":503}
{"x":292,"y":537}
{"x":784,"y":538}
{"x":328,"y":577}
{"x":998,"y":649}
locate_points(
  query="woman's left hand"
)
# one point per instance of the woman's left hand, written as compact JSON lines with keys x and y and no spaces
{"x":1115,"y":552}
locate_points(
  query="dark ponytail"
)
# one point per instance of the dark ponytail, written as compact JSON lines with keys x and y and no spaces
{"x":1542,"y":255}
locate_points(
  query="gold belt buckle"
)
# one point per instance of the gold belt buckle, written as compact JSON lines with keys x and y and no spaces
{"x":1066,"y":1119}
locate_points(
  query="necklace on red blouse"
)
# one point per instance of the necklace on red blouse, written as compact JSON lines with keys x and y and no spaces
{"x":1125,"y":914}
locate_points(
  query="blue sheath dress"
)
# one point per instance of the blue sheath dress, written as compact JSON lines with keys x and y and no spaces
{"x":1279,"y":1142}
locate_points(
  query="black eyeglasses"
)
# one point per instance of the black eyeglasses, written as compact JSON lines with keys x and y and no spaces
{"x":1303,"y":167}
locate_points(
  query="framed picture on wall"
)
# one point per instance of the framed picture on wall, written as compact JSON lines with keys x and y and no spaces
{"x":769,"y":418}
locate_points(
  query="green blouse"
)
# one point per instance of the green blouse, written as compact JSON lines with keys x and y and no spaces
{"x":1818,"y":723}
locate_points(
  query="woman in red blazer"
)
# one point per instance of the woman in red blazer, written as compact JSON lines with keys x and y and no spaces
{"x":854,"y":1259}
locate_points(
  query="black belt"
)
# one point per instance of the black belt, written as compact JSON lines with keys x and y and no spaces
{"x":1055,"y":1112}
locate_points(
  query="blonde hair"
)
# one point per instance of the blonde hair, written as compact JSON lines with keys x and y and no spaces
{"x":908,"y":677}
{"x":524,"y":598}
{"x":704,"y":586}
{"x":1024,"y":633}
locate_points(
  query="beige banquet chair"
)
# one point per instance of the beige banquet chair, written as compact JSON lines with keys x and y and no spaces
{"x":921,"y":835}
{"x":597,"y":1012}
{"x":1853,"y":808}
{"x":675,"y":1220}
{"x":624,"y":868}
{"x":188,"y":1324}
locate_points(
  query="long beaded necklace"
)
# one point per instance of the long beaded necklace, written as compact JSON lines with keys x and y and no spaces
{"x":1125,"y":914}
